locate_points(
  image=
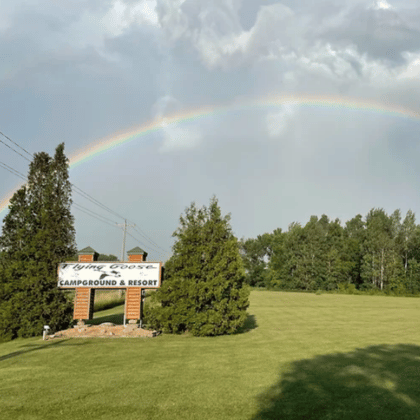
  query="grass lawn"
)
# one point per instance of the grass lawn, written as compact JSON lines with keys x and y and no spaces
{"x":302,"y":356}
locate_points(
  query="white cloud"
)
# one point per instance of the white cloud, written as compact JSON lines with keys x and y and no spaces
{"x":278,"y":122}
{"x":175,"y":137}
{"x":166,"y":106}
{"x":222,"y":42}
{"x":412,"y":69}
{"x":381,"y":4}
{"x":213,"y":28}
{"x":90,"y":27}
{"x":122,"y":15}
{"x":172,"y":19}
{"x":179,"y":138}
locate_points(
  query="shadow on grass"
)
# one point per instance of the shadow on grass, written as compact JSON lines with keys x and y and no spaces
{"x":378,"y":382}
{"x":28,"y":348}
{"x":117,"y":319}
{"x":250,"y":324}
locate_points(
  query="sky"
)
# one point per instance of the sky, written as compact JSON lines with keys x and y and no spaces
{"x":282,"y":110}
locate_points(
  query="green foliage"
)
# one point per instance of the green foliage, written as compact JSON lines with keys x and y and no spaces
{"x":254,"y":254}
{"x":203,"y":291}
{"x":38,"y":233}
{"x":380,"y":254}
{"x":105,"y":257}
{"x":349,"y":289}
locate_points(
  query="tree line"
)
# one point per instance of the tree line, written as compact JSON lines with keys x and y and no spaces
{"x":378,"y":252}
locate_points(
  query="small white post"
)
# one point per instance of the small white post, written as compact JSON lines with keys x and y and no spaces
{"x":44,"y":333}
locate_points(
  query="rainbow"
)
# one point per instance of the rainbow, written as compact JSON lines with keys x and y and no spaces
{"x":334,"y":102}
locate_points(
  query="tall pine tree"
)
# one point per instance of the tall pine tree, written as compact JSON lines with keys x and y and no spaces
{"x":204,"y":290}
{"x":38,"y":233}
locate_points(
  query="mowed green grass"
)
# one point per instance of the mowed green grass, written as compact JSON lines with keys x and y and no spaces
{"x":301,"y":356}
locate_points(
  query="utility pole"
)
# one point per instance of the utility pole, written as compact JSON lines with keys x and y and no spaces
{"x":124,"y":238}
{"x":125,"y":225}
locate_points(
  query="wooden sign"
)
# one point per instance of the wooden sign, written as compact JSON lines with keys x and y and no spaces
{"x":119,"y":275}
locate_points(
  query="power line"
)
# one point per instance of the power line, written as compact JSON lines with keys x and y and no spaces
{"x":13,"y":171}
{"x":91,"y":213}
{"x":77,"y":190}
{"x":146,"y":237}
{"x":141,"y":243}
{"x":79,"y":206}
{"x":20,"y":147}
{"x":94,"y":200}
{"x":20,"y":154}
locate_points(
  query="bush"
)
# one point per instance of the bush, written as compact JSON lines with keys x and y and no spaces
{"x":204,"y":290}
{"x":348,"y":289}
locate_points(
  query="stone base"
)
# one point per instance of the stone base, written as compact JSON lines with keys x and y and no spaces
{"x":104,"y":331}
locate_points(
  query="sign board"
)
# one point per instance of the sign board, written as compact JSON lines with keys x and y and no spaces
{"x":116,"y":275}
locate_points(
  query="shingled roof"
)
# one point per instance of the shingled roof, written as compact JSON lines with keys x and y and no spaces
{"x":137,"y":251}
{"x":87,"y":251}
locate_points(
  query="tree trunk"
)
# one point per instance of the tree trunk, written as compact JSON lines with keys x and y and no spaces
{"x":373,"y":269}
{"x":382,"y":269}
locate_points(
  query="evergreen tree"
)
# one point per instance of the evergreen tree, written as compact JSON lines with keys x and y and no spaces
{"x":38,"y":234}
{"x":204,"y":290}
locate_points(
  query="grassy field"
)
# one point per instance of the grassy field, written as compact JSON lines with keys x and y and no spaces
{"x":301,"y":356}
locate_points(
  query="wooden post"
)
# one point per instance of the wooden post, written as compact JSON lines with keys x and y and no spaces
{"x":85,"y":297}
{"x":83,"y":303}
{"x":132,"y":303}
{"x":133,"y":294}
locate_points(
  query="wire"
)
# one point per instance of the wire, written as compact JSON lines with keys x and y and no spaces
{"x":20,"y":154}
{"x":89,"y":214}
{"x":13,"y":171}
{"x":79,"y":206}
{"x":94,"y":201}
{"x":77,"y":190}
{"x":20,"y":147}
{"x":141,"y":243}
{"x":146,"y":237}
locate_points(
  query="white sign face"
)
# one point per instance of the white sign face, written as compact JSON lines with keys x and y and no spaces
{"x":109,"y":275}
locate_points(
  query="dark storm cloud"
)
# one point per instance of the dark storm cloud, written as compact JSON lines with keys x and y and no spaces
{"x":82,"y":70}
{"x":381,"y":33}
{"x":67,"y":88}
